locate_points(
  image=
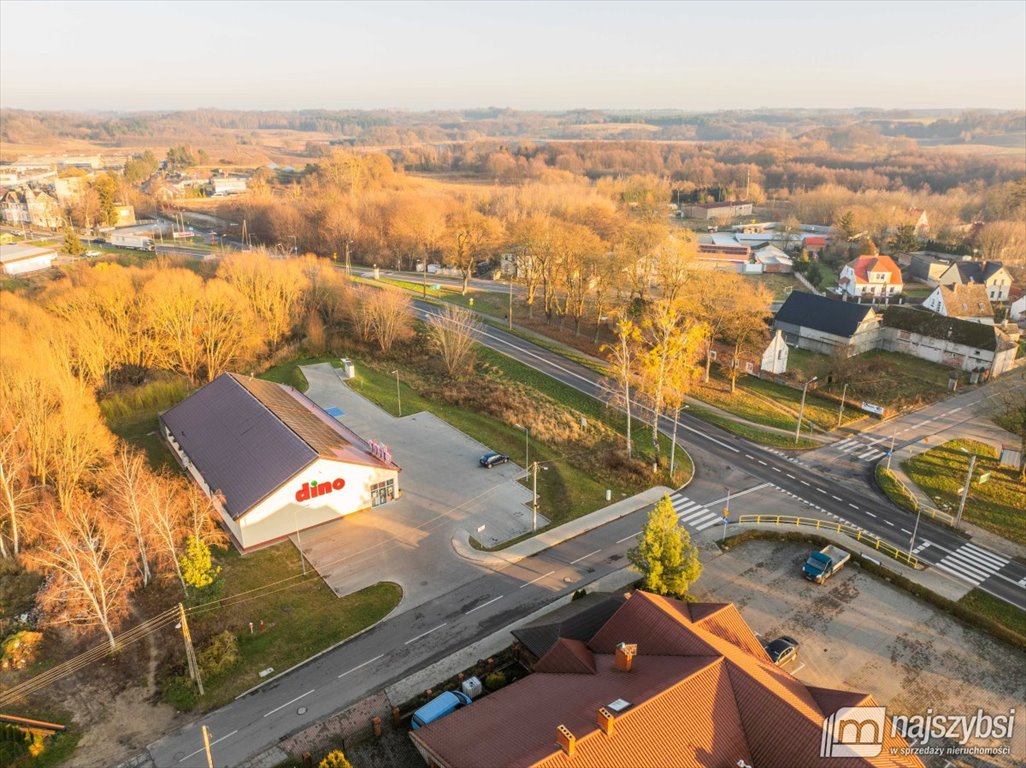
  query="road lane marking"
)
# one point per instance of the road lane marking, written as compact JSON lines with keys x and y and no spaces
{"x":483,"y":604}
{"x":215,"y":741}
{"x":574,"y":562}
{"x":789,"y":475}
{"x":870,"y":514}
{"x":532,"y":581}
{"x":853,"y":506}
{"x":775,"y":469}
{"x":425,"y":634}
{"x":835,"y":498}
{"x":889,"y":523}
{"x":820,"y":489}
{"x":360,"y":666}
{"x":906,"y":530}
{"x":290,"y":702}
{"x":762,"y":462}
{"x":802,"y":482}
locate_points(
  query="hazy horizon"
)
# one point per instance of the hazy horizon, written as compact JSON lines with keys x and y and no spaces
{"x":530,"y":56}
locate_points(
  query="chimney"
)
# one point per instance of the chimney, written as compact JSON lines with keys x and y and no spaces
{"x":566,"y":740}
{"x":625,"y":655}
{"x":605,"y":721}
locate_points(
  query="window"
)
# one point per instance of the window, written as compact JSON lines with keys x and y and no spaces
{"x":382,"y":493}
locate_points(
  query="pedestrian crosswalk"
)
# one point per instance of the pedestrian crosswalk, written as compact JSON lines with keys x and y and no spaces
{"x":972,"y":564}
{"x":693,"y":514}
{"x":857,"y":449}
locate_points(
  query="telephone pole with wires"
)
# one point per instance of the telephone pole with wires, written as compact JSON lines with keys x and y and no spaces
{"x":190,"y":651}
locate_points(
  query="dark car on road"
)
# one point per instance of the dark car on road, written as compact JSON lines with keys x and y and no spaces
{"x":782,"y":650}
{"x":493,"y":459}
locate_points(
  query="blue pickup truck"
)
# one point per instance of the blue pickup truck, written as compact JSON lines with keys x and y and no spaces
{"x":823,"y":564}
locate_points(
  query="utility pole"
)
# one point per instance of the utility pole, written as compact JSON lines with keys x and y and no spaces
{"x":423,"y":280}
{"x":965,"y":489}
{"x":206,"y":747}
{"x":840,"y":413}
{"x":726,"y":516}
{"x":511,"y":303}
{"x":801,"y":409}
{"x":190,"y":652}
{"x":398,"y":394}
{"x":890,"y":453}
{"x":673,"y":441}
{"x":534,"y":504}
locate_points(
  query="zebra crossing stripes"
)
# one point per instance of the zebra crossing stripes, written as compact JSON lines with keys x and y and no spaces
{"x":972,"y":564}
{"x":692,"y":513}
{"x":856,"y":449}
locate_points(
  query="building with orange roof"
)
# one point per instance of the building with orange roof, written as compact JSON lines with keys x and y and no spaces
{"x":874,"y":275}
{"x":664,"y":683}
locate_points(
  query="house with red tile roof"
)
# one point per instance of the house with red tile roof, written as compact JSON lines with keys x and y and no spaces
{"x":874,"y":275}
{"x":663,"y":683}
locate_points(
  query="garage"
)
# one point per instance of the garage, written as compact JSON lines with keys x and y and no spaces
{"x":273,"y":461}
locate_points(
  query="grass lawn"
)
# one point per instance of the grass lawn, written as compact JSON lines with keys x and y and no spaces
{"x":883,"y":378}
{"x":289,"y":373}
{"x":895,"y":490}
{"x":998,"y":610}
{"x":996,"y":505}
{"x":778,"y":284}
{"x":301,"y":615}
{"x":756,"y":435}
{"x":576,"y":480}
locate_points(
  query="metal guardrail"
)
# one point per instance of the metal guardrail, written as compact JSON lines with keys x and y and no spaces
{"x":848,"y":530}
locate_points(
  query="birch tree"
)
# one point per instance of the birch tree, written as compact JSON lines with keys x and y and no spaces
{"x":129,"y":480}
{"x":623,"y":355}
{"x":454,"y":332}
{"x":16,"y":492}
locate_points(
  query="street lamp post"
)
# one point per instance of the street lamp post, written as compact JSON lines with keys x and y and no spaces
{"x":726,"y":515}
{"x":673,"y":441}
{"x":890,"y":453}
{"x":801,"y":409}
{"x":398,"y":394}
{"x":840,"y":412}
{"x":534,"y":502}
{"x":511,"y":303}
{"x":915,"y":530}
{"x":965,"y":488}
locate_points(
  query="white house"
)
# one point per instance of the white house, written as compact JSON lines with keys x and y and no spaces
{"x":273,"y":461}
{"x":966,"y":302}
{"x":871,"y":275}
{"x":947,"y":340}
{"x":19,"y":259}
{"x":1017,"y":309}
{"x":774,"y":358}
{"x":989,"y":273}
{"x":227,"y":185}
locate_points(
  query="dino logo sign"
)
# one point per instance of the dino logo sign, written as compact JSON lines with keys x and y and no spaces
{"x":313,"y":488}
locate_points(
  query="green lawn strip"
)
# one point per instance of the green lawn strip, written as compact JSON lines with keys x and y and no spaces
{"x":301,"y":615}
{"x":289,"y":373}
{"x":1007,"y":615}
{"x":756,"y":435}
{"x":779,"y":285}
{"x":821,"y":410}
{"x":895,"y":490}
{"x":996,"y":505}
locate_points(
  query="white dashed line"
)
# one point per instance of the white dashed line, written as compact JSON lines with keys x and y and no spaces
{"x":820,"y":490}
{"x":853,"y":506}
{"x":870,"y":514}
{"x":425,"y":634}
{"x":361,"y":666}
{"x":582,"y":557}
{"x":762,"y":462}
{"x":289,"y":702}
{"x":804,"y":483}
{"x":775,"y":469}
{"x":749,"y":456}
{"x":835,"y":498}
{"x":532,"y":581}
{"x":621,"y":541}
{"x":483,"y":605}
{"x":889,"y":523}
{"x":906,"y":530}
{"x":215,"y":741}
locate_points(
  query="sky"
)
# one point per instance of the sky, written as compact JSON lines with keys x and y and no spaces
{"x":524,"y":55}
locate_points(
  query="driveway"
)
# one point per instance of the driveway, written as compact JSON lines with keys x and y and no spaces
{"x":443,"y":491}
{"x":860,"y":633}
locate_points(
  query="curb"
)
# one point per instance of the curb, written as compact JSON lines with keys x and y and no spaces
{"x":548,"y":539}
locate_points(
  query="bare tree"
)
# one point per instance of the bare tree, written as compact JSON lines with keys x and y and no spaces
{"x":88,"y":558}
{"x":130,"y":478}
{"x":624,"y":357}
{"x":166,"y":518}
{"x":390,"y":314}
{"x":454,"y":332}
{"x":16,"y":492}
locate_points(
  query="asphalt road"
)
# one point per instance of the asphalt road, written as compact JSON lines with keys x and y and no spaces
{"x":855,"y":503}
{"x":433,"y":630}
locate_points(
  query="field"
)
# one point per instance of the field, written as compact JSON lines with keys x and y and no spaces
{"x":996,"y":504}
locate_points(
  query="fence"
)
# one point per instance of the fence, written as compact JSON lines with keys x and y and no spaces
{"x":848,"y":530}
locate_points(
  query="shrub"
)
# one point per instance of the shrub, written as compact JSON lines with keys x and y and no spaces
{"x":495,"y":681}
{"x":220,"y":654}
{"x":335,"y":759}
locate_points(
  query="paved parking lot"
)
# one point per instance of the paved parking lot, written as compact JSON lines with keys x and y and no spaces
{"x":443,"y":491}
{"x":861,"y":633}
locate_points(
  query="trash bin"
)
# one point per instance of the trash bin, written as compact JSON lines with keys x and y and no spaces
{"x":348,"y":369}
{"x":472,"y":687}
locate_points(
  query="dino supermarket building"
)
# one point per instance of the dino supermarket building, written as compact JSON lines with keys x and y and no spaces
{"x":273,"y":461}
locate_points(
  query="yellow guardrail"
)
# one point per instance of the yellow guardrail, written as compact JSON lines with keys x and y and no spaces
{"x":826,"y":525}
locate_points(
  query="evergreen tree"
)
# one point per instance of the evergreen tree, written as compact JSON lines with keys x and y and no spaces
{"x":665,"y":555}
{"x":72,"y":245}
{"x":904,"y":239}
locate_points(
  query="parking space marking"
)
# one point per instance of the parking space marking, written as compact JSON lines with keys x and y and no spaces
{"x":532,"y":581}
{"x":797,"y":669}
{"x":360,"y":666}
{"x":425,"y":634}
{"x":483,"y":605}
{"x":301,"y":696}
{"x":582,"y":557}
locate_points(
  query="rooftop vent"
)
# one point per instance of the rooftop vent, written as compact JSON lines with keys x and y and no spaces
{"x":625,"y":656}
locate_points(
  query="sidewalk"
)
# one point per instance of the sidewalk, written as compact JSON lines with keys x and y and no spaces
{"x":543,"y":541}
